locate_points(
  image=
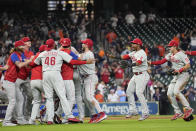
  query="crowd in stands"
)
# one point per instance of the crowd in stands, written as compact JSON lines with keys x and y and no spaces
{"x":113,"y":80}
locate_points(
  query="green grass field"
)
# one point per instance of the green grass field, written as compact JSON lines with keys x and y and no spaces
{"x":115,"y":124}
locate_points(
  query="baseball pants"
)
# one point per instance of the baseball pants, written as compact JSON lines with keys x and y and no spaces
{"x":89,"y":90}
{"x":14,"y":97}
{"x":53,"y":80}
{"x":78,"y":93}
{"x":138,"y":84}
{"x":24,"y":86}
{"x":37,"y":90}
{"x":70,"y":93}
{"x":174,"y":91}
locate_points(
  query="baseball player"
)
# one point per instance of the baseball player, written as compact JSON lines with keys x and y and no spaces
{"x":36,"y":86}
{"x":15,"y":62}
{"x":23,"y":82}
{"x":180,"y":63}
{"x":52,"y":61}
{"x":78,"y":89}
{"x":139,"y":80}
{"x":90,"y":80}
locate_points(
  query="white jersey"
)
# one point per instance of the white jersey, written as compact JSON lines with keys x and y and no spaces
{"x":87,"y":69}
{"x":52,"y":60}
{"x":139,"y":55}
{"x":178,"y":60}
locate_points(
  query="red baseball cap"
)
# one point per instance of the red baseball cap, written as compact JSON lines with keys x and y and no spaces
{"x":65,"y":41}
{"x":173,"y":43}
{"x":18,"y":43}
{"x":88,"y":42}
{"x":137,"y":41}
{"x":42,"y":48}
{"x":25,"y":39}
{"x":50,"y":44}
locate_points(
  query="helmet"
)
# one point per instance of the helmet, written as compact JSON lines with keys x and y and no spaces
{"x":137,"y":41}
{"x":42,"y":48}
{"x":65,"y":41}
{"x":18,"y":43}
{"x":50,"y":44}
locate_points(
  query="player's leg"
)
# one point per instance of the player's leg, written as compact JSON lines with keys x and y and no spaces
{"x":11,"y":94}
{"x":179,"y":86}
{"x":78,"y":94}
{"x":28,"y":101}
{"x":19,"y":103}
{"x":131,"y":99}
{"x":90,"y":85}
{"x":58,"y":85}
{"x":35,"y":86}
{"x":141,"y":82}
{"x":70,"y":92}
{"x":48,"y":89}
{"x":173,"y":101}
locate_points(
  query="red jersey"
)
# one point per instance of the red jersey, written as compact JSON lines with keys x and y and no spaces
{"x":12,"y":71}
{"x":119,"y":73}
{"x":36,"y":72}
{"x":67,"y":69}
{"x":105,"y":76}
{"x":25,"y":71}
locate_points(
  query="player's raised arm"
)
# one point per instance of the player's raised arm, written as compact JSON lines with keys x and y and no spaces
{"x":193,"y":53}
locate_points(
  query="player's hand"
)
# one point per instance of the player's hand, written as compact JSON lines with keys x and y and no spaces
{"x":149,"y":62}
{"x":90,"y":61}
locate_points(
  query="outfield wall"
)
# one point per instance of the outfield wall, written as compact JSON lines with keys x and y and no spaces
{"x":110,"y":109}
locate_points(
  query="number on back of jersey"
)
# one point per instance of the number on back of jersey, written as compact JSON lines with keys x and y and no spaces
{"x":50,"y":61}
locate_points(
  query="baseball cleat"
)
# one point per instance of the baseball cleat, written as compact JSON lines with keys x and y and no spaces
{"x":8,"y":124}
{"x":176,"y":116}
{"x":129,"y":115}
{"x":31,"y":122}
{"x":93,"y":118}
{"x":143,"y":117}
{"x":187,"y":112}
{"x":22,"y":122}
{"x":101,"y":116}
{"x":73,"y":120}
{"x":57,"y":119}
{"x":49,"y":123}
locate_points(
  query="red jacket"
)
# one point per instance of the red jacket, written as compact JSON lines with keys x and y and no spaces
{"x":25,"y":71}
{"x":36,"y":72}
{"x":12,"y":71}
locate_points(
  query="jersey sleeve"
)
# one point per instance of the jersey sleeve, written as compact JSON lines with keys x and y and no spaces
{"x":185,"y":59}
{"x":37,"y":61}
{"x":14,"y":58}
{"x":74,"y":56}
{"x":131,"y":54}
{"x":67,"y":58}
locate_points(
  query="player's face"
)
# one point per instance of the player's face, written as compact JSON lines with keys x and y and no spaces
{"x":21,"y":48}
{"x":134,"y":46}
{"x":84,"y":46}
{"x":172,"y":48}
{"x":28,"y":43}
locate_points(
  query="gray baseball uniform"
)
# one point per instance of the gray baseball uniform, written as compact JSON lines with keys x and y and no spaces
{"x":138,"y":82}
{"x":51,"y":66}
{"x":90,"y":80}
{"x":178,"y":60}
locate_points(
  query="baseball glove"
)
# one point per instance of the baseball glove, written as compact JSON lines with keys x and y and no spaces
{"x":189,"y":118}
{"x":171,"y":72}
{"x":124,"y":64}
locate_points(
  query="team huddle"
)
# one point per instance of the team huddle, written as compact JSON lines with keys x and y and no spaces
{"x":60,"y":73}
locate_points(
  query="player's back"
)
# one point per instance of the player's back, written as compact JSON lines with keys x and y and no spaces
{"x":52,"y":60}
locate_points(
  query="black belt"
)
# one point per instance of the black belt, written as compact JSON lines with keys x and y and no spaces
{"x":137,"y":73}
